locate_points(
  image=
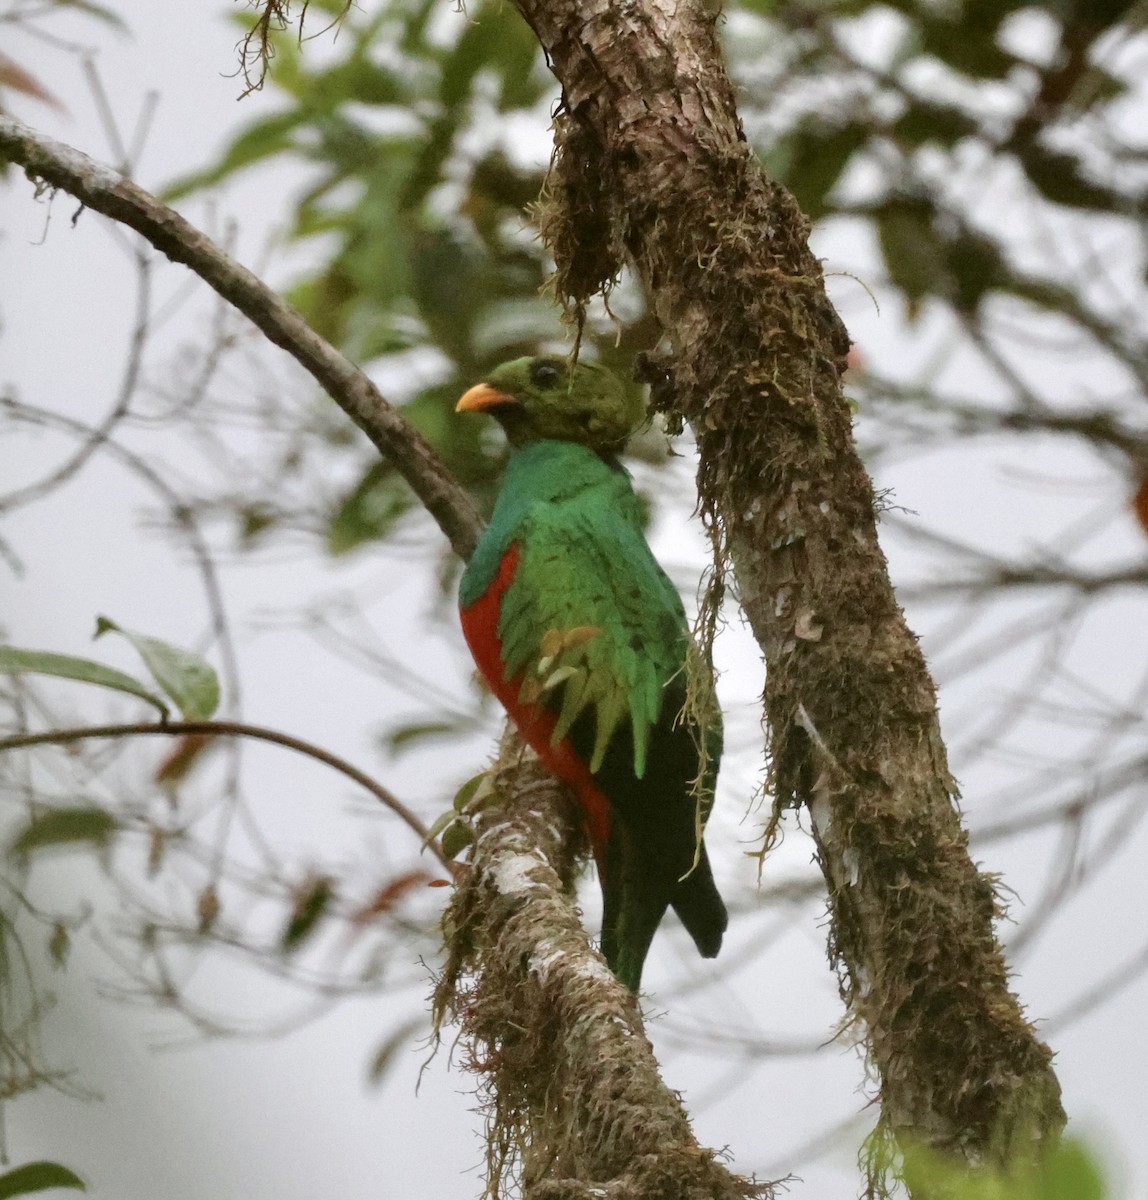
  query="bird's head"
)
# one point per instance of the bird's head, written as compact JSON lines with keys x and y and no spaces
{"x":536,"y":399}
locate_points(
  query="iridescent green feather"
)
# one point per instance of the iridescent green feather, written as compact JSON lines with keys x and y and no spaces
{"x":585,"y":567}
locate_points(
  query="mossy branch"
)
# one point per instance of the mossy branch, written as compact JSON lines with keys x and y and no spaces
{"x":651,"y":167}
{"x":575,"y":1106}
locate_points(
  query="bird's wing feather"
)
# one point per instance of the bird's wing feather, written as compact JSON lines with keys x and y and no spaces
{"x":590,"y":621}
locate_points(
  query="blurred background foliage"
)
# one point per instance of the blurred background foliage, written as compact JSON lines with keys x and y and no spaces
{"x":983,"y":161}
{"x":424,"y":135}
{"x":422,"y":130}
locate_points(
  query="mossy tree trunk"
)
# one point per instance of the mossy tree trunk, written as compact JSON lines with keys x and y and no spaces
{"x":652,"y":168}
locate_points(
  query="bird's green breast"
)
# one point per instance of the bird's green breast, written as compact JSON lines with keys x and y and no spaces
{"x":548,"y":473}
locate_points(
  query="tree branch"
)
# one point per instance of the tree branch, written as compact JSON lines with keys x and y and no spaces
{"x":652,"y":167}
{"x":573,"y":1096}
{"x":106,"y":191}
{"x":61,"y":737}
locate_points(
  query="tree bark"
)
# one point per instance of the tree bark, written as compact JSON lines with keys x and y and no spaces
{"x":575,"y":1106}
{"x":651,"y":168}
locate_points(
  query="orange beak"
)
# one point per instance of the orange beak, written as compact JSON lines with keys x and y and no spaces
{"x":481,"y":397}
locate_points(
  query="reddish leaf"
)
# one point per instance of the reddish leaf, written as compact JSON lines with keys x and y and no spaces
{"x":390,"y":894}
{"x":14,"y":76}
{"x":1140,"y":504}
{"x":183,"y":757}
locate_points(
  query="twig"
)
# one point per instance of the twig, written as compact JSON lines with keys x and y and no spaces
{"x":100,"y":188}
{"x":98,"y":435}
{"x":1102,"y":991}
{"x":236,"y":729}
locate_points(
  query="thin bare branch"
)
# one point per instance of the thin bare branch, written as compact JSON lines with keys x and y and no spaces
{"x":98,"y":187}
{"x":61,"y":737}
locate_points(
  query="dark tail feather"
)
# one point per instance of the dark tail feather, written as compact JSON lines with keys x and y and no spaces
{"x":634,"y":901}
{"x":626,"y":943}
{"x":697,"y":903}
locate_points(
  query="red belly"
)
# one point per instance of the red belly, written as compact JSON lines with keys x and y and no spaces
{"x":535,"y":723}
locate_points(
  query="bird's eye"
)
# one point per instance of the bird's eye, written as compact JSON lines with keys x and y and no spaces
{"x":544,"y":373}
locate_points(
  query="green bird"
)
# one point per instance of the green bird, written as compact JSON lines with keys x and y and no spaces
{"x":582,"y":637}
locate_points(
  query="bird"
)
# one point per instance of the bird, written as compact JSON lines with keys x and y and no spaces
{"x":581,"y":635}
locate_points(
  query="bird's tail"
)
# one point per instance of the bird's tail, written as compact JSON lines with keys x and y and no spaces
{"x":634,"y":900}
{"x":702,"y":912}
{"x":628,"y":926}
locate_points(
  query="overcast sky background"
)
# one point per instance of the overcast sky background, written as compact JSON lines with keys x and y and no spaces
{"x":293,"y":1117}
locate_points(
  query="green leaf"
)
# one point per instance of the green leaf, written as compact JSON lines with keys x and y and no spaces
{"x":1058,"y":177}
{"x":100,"y":11}
{"x":14,"y":661}
{"x":310,"y":905}
{"x":35,"y":1177}
{"x":359,"y":79}
{"x":969,"y":45}
{"x":384,"y":1056}
{"x":254,"y":521}
{"x":406,"y":736}
{"x":440,"y":823}
{"x":369,"y":511}
{"x":468,"y":791}
{"x":816,"y":156}
{"x":1071,"y":1174}
{"x":455,"y":840}
{"x":59,"y":944}
{"x":976,"y":266}
{"x":914,"y":254}
{"x":925,"y":121}
{"x":64,"y":826}
{"x":185,"y":677}
{"x":496,"y":185}
{"x":271,"y":136}
{"x":499,"y":40}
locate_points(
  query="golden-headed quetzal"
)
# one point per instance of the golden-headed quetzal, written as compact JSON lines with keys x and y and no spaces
{"x":583,"y":638}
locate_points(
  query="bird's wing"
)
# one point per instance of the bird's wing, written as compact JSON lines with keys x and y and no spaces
{"x":591,"y":622}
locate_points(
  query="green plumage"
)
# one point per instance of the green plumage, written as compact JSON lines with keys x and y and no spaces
{"x":590,"y":628}
{"x":584,"y":567}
